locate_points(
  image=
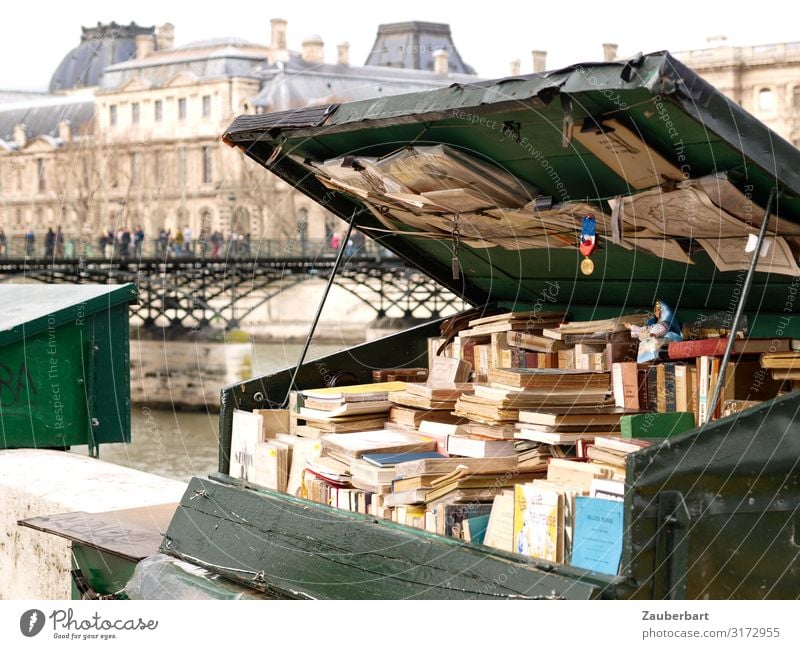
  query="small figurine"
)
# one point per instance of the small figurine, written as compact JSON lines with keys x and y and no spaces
{"x":662,"y":327}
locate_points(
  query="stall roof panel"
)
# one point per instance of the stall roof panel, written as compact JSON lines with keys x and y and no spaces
{"x":676,"y":175}
{"x":30,"y":308}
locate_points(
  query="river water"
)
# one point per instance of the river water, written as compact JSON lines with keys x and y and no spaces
{"x":180,"y":445}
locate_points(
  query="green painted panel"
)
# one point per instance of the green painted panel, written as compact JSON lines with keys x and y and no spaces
{"x":42,"y":402}
{"x":65,"y":375}
{"x":296,"y":548}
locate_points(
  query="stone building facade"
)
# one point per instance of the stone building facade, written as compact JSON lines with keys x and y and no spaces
{"x":129,"y":133}
{"x":763,"y":79}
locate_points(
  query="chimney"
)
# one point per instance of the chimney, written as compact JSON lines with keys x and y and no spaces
{"x":20,"y":134}
{"x":609,"y":52}
{"x":539,"y":60}
{"x":165,"y":37}
{"x":343,"y":53}
{"x":441,"y":62}
{"x":144,"y":45}
{"x":64,"y":132}
{"x":278,"y":34}
{"x":515,"y":66}
{"x":314,"y":49}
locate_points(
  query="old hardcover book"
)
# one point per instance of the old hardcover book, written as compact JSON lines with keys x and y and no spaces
{"x":596,"y":326}
{"x":716,"y":347}
{"x":478,"y":447}
{"x":354,"y":445}
{"x":443,"y":466}
{"x":304,"y":449}
{"x":656,"y":425}
{"x":572,"y":416}
{"x":344,"y":409}
{"x":413,"y":417}
{"x":270,"y":465}
{"x":356,"y":423}
{"x":500,"y":530}
{"x":536,"y":319}
{"x":361,"y":392}
{"x":410,"y":400}
{"x":575,"y":475}
{"x":438,"y":392}
{"x":534,"y":342}
{"x":624,"y":379}
{"x":553,"y":379}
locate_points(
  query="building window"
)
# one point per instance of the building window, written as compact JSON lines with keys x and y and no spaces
{"x":796,"y":97}
{"x":766,"y":100}
{"x":206,"y":105}
{"x":112,"y":115}
{"x":135,"y":112}
{"x":207,"y":170}
{"x":182,"y":108}
{"x":159,"y":110}
{"x":41,"y":172}
{"x":19,"y":217}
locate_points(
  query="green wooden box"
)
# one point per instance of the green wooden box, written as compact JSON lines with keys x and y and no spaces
{"x":64,"y":365}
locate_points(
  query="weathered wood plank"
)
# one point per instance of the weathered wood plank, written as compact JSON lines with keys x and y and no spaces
{"x":302,"y":549}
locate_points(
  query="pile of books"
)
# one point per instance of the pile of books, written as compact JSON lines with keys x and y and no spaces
{"x":519,"y":438}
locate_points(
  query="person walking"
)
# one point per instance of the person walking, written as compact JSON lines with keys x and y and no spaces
{"x":187,"y":239}
{"x":3,"y":244}
{"x":30,"y":242}
{"x":138,"y":240}
{"x":49,"y":243}
{"x":59,"y":236}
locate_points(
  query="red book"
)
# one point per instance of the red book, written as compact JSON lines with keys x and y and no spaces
{"x":716,"y":347}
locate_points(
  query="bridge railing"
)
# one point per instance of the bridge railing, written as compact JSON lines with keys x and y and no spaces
{"x":20,"y":247}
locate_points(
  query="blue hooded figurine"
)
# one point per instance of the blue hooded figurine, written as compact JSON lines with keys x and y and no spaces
{"x":662,"y":327}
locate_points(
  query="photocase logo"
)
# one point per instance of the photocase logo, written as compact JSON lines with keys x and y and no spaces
{"x":31,"y":622}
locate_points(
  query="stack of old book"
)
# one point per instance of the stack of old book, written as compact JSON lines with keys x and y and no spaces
{"x":566,"y":426}
{"x":481,"y":343}
{"x":342,"y":410}
{"x":783,"y":365}
{"x":433,"y":482}
{"x":422,"y":402}
{"x":684,"y":378}
{"x":613,"y":452}
{"x":512,"y":389}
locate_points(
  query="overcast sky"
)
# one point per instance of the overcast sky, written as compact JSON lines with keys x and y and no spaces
{"x":38,"y":34}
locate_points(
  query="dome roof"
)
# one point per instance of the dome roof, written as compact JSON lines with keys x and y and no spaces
{"x":100,"y":47}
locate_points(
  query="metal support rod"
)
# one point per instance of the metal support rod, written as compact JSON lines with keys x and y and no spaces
{"x":334,"y":270}
{"x":740,"y":308}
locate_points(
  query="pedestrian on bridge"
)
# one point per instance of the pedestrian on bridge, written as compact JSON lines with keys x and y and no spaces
{"x":3,"y":244}
{"x":138,"y":240}
{"x":49,"y":242}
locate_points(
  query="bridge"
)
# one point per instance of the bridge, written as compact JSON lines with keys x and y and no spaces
{"x":193,"y":288}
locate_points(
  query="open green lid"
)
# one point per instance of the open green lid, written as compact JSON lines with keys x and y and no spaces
{"x":500,"y":175}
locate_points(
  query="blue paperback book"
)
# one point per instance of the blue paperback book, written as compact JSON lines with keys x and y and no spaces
{"x":597,"y":540}
{"x":390,"y":459}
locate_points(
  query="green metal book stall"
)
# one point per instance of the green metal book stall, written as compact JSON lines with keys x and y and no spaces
{"x":695,"y":202}
{"x":64,"y":365}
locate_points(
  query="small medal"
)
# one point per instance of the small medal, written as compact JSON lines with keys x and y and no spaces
{"x":588,"y":243}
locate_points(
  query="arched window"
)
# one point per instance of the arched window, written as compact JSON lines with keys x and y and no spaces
{"x":766,"y":100}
